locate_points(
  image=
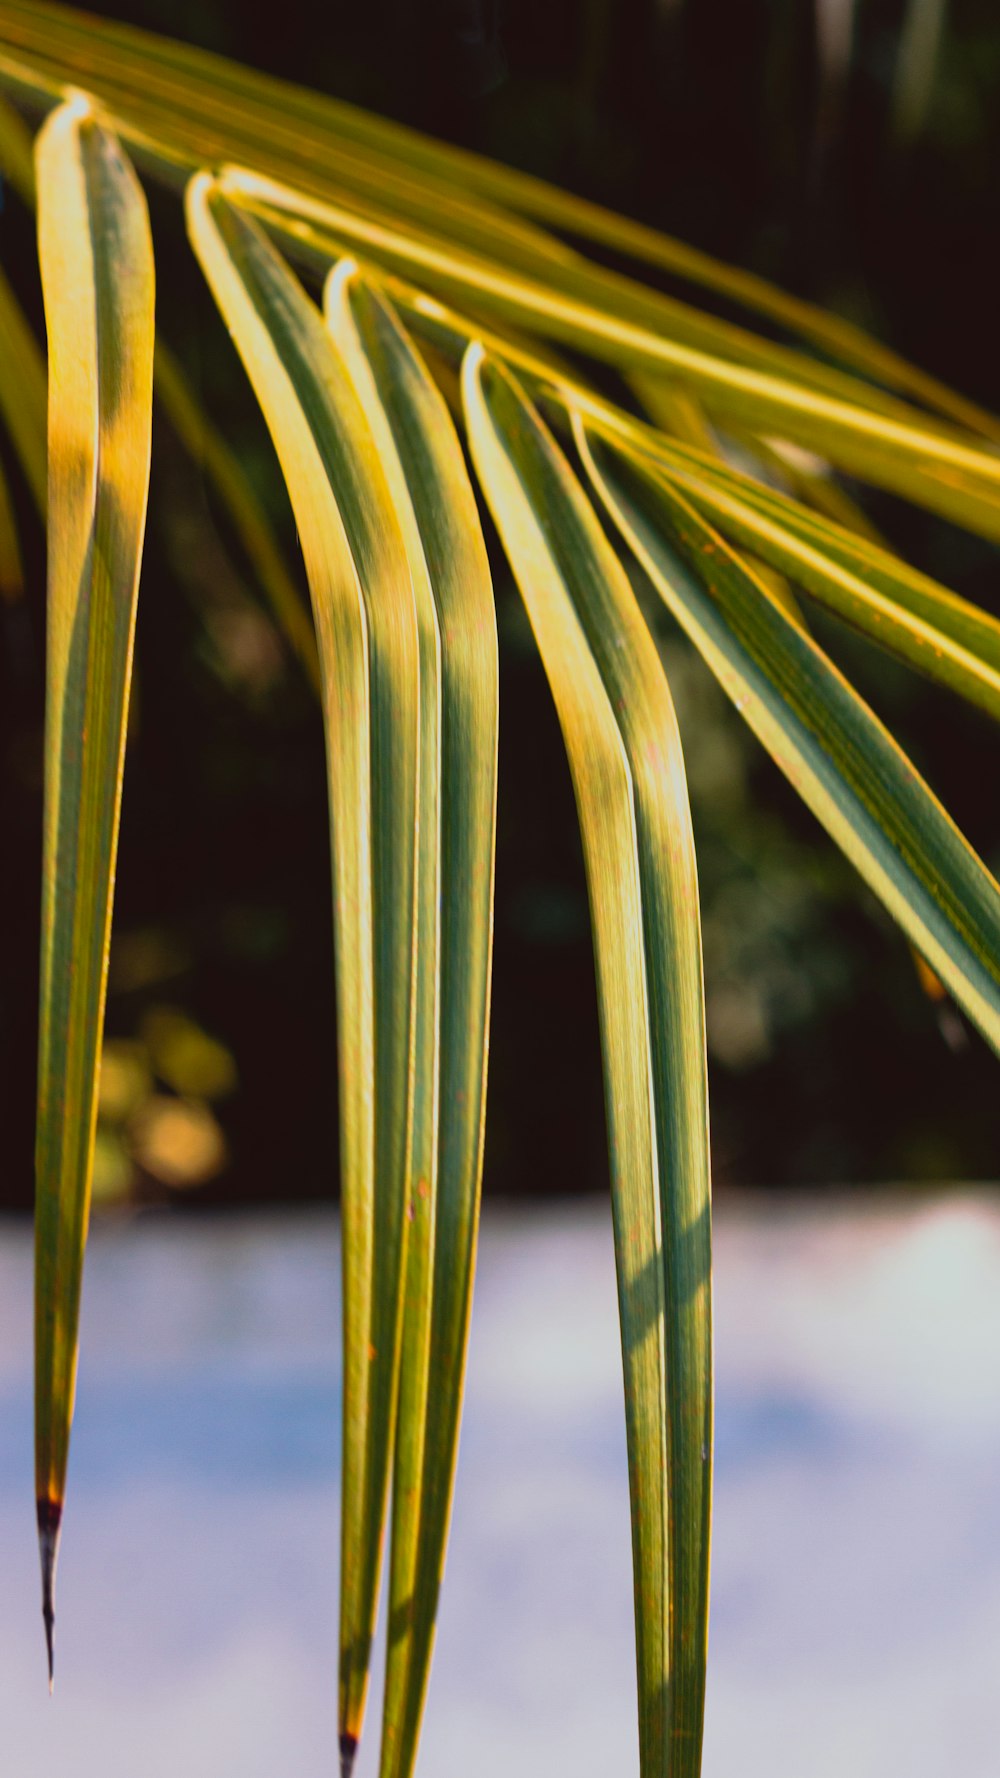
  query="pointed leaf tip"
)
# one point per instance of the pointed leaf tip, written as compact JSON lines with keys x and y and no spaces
{"x":49,"y":1521}
{"x":348,"y":1753}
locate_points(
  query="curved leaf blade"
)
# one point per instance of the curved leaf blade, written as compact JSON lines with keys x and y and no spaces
{"x":907,"y":612}
{"x":422,"y":456}
{"x":916,"y":457}
{"x":940,"y":634}
{"x":624,"y":751}
{"x":586,"y":221}
{"x":844,"y":764}
{"x":97,"y":280}
{"x":363,"y":601}
{"x":427,"y":180}
{"x":211,"y":109}
{"x":904,"y":611}
{"x":169,"y":98}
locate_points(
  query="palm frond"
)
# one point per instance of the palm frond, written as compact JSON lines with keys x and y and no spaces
{"x":452,"y":283}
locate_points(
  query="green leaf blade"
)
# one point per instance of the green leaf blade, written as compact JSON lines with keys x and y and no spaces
{"x":324,"y":141}
{"x":363,"y":601}
{"x":98,"y":285}
{"x":434,"y":499}
{"x":621,"y":740}
{"x":830,"y":745}
{"x":931,"y":463}
{"x":906,"y":612}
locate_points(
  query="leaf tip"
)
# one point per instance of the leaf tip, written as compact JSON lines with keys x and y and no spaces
{"x":77,"y":106}
{"x":340,"y":275}
{"x":199,"y":188}
{"x":49,"y":1523}
{"x":473,"y":359}
{"x":348,"y":1753}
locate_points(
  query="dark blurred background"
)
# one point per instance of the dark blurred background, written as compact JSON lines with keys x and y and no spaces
{"x":848,"y":151}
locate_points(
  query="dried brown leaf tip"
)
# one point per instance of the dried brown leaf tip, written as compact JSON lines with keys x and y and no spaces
{"x":49,"y":1522}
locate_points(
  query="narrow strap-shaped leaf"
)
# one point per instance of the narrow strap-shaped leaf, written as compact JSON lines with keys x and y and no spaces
{"x":192,"y":425}
{"x":805,"y":478}
{"x":930,"y":628}
{"x":363,"y":598}
{"x":934,"y":630}
{"x":423,"y":1152}
{"x":441,"y":217}
{"x":210,"y":110}
{"x":912,"y":455}
{"x":427,"y":178}
{"x":166,"y":91}
{"x":963,"y":655}
{"x":844,"y":764}
{"x":932,"y":467}
{"x":677,"y":412}
{"x":97,"y":280}
{"x":224,"y":471}
{"x":624,"y":752}
{"x":22,"y":392}
{"x":421,"y":454}
{"x":866,"y":557}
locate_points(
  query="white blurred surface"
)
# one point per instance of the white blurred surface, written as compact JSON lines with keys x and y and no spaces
{"x":856,"y":1600}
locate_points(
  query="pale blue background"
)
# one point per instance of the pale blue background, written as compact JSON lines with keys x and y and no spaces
{"x":856,"y":1612}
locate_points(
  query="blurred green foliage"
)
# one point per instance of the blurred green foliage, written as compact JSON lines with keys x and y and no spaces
{"x":148,"y":1139}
